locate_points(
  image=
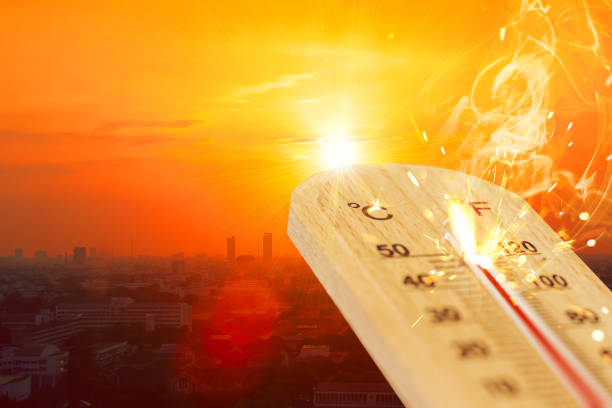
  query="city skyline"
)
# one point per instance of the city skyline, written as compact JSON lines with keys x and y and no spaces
{"x":84,"y":252}
{"x":164,"y":149}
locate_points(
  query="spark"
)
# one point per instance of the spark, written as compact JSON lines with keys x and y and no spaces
{"x":584,"y":216}
{"x":463,"y":228}
{"x":550,"y":115}
{"x":446,"y":196}
{"x":569,"y":126}
{"x":442,"y":150}
{"x":609,"y":158}
{"x":563,"y":245}
{"x":502,"y":33}
{"x":416,"y":321}
{"x":523,"y":214}
{"x":452,"y":277}
{"x":570,"y":144}
{"x":504,"y":180}
{"x":598,"y":335}
{"x":425,"y":136}
{"x":521,"y":260}
{"x":413,"y":179}
{"x":609,"y":80}
{"x":552,"y":187}
{"x":591,"y":243}
{"x":560,"y":212}
{"x":530,"y":277}
{"x":605,"y":310}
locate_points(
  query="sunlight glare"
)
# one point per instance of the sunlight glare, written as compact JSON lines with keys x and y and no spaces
{"x":338,"y":152}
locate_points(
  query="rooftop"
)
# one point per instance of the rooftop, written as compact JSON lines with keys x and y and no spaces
{"x":37,"y":350}
{"x":8,"y":379}
{"x":353,"y":387}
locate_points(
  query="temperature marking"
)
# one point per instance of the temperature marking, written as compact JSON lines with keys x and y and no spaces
{"x":518,"y":330}
{"x":581,"y":384}
{"x":369,"y":209}
{"x":476,"y":205}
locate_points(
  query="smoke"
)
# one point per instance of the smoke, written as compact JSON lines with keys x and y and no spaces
{"x":537,"y":118}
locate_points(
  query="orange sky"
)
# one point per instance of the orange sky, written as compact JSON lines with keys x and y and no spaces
{"x":176,"y":124}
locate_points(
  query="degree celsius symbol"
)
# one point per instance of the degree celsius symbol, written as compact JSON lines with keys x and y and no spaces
{"x":366,"y":211}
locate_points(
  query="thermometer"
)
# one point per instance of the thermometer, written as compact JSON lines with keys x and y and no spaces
{"x":460,"y":292}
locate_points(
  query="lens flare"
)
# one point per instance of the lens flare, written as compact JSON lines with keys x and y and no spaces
{"x":463,"y":229}
{"x":338,"y":152}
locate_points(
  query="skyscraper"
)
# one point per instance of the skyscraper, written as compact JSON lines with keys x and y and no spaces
{"x":267,"y":246}
{"x":18,"y":253}
{"x":231,"y":249}
{"x":178,"y":266}
{"x":79,"y":255}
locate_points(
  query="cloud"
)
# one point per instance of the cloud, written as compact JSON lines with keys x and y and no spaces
{"x":284,"y":81}
{"x":149,"y":124}
{"x":53,"y":169}
{"x":17,"y":135}
{"x":313,"y":140}
{"x":142,"y":140}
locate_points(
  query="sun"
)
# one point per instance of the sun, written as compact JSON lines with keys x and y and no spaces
{"x":337,"y":152}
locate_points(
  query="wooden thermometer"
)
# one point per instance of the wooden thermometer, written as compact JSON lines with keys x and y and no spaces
{"x":458,"y":289}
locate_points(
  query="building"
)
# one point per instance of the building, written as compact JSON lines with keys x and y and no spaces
{"x":309,"y":351}
{"x":18,"y":253}
{"x":40,"y":328}
{"x":93,"y":252}
{"x":105,"y":354}
{"x":44,"y":363}
{"x":126,"y":311}
{"x":55,"y":332}
{"x":267,"y":246}
{"x":40,"y":254}
{"x":15,"y":387}
{"x":231,"y":249}
{"x":79,"y":255}
{"x":26,"y":319}
{"x":178,"y":266}
{"x":353,"y":395}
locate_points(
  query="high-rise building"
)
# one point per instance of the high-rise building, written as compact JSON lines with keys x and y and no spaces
{"x":93,"y":252}
{"x":178,"y":266}
{"x":18,"y":253}
{"x":79,"y":255}
{"x":267,"y":246}
{"x":231,"y":249}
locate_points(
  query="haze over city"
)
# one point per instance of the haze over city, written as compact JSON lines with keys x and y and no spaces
{"x":167,"y":128}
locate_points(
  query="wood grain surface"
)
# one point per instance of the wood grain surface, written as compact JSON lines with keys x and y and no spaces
{"x":374,"y":237}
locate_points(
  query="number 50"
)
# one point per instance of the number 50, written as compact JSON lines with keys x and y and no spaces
{"x":394,"y":249}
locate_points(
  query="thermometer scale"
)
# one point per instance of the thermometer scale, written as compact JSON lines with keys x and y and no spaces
{"x":460,"y":292}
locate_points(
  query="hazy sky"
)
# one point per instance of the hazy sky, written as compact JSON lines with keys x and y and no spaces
{"x":176,"y":124}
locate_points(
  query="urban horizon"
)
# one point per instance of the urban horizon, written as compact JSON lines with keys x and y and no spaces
{"x":263,"y":250}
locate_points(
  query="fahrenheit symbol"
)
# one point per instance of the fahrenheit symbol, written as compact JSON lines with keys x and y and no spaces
{"x":478,"y":206}
{"x":366,"y":211}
